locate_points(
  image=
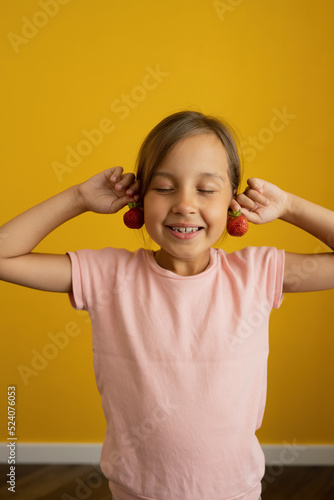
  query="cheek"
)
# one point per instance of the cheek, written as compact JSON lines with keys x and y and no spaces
{"x":152,"y":210}
{"x":217,"y":215}
{"x":147,"y":203}
{"x":218,"y":210}
{"x":155,"y":204}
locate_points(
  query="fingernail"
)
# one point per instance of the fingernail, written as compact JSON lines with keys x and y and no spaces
{"x":119,"y":187}
{"x":130,"y":192}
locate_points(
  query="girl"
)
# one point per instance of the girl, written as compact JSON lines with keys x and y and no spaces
{"x":180,"y":336}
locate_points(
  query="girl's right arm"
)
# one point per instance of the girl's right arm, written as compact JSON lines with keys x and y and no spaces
{"x":105,"y":193}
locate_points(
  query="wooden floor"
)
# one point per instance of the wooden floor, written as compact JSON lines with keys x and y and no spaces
{"x":81,"y":482}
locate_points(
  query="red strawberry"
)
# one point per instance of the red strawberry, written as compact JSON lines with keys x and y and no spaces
{"x":134,"y":218}
{"x":237,"y":224}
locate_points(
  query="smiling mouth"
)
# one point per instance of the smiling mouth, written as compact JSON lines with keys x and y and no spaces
{"x":185,"y":229}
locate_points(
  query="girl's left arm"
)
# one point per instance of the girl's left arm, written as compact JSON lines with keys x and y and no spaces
{"x":263,"y":202}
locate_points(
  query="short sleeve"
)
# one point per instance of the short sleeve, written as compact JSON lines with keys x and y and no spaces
{"x":256,"y":272}
{"x":76,"y":296}
{"x":278,"y":278}
{"x":97,"y":275}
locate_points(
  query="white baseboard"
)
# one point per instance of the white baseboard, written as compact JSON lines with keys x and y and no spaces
{"x":285,"y":454}
{"x":54,"y":453}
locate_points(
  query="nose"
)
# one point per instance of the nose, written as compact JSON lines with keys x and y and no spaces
{"x":184,"y":204}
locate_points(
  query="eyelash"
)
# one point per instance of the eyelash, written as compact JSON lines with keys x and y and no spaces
{"x":159,"y":190}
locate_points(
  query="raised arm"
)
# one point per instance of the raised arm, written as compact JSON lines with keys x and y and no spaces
{"x":106,"y":193}
{"x":263,"y":202}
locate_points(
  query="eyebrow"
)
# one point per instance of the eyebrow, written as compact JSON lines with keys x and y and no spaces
{"x":202,"y":174}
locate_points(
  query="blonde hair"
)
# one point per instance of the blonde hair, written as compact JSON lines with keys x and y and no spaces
{"x":166,"y":134}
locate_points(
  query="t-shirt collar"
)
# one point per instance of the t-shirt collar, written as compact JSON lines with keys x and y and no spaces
{"x":170,"y":274}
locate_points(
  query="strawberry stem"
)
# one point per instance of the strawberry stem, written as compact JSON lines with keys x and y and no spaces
{"x":234,"y":213}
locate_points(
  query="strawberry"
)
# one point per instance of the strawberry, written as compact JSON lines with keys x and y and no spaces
{"x":237,"y":224}
{"x":134,"y":218}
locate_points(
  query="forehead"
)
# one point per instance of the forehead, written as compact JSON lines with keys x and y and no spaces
{"x":198,"y":153}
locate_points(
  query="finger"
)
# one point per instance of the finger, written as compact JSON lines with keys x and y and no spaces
{"x":255,"y":183}
{"x":256,"y":196}
{"x":125,"y":181}
{"x":115,"y":174}
{"x":259,"y":186}
{"x":246,"y":202}
{"x":234,"y":205}
{"x":250,"y":216}
{"x":122,"y":202}
{"x":133,"y":189}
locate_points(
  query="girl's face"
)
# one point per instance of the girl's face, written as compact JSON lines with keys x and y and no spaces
{"x":190,"y":191}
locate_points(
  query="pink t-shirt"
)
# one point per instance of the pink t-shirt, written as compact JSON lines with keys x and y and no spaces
{"x":181,"y":366}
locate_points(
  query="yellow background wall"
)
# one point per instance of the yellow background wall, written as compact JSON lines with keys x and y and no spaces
{"x":70,"y":67}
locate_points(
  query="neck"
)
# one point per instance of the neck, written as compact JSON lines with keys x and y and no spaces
{"x":183,"y":267}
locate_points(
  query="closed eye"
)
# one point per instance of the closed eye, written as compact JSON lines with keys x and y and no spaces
{"x":168,"y":190}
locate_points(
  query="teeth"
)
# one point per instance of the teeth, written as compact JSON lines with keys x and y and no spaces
{"x":185,"y":229}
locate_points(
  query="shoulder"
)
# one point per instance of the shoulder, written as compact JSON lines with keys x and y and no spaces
{"x":256,"y":268}
{"x":107,"y":260}
{"x":96,"y":272}
{"x":109,"y":253}
{"x":251,"y":255}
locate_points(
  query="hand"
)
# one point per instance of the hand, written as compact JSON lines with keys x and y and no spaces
{"x":261,"y":202}
{"x":109,"y":191}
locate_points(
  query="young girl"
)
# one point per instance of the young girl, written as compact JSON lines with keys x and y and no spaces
{"x":180,"y":336}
